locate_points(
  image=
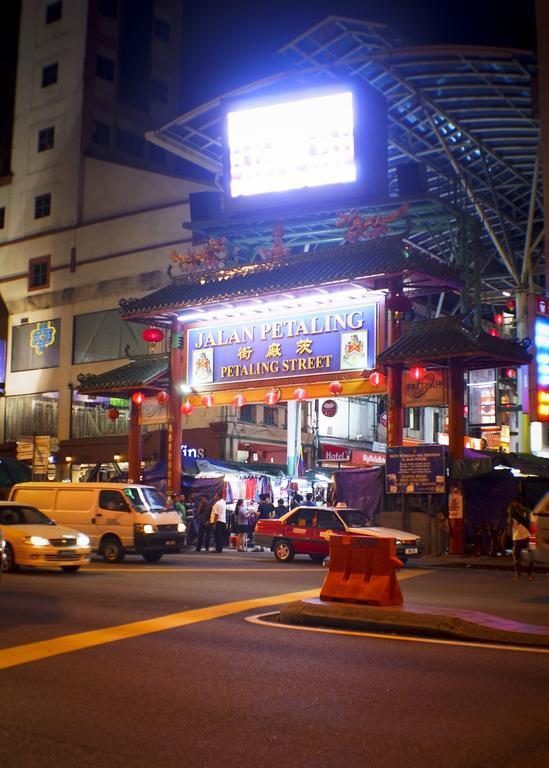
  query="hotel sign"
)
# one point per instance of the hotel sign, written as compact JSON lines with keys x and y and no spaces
{"x":301,"y":344}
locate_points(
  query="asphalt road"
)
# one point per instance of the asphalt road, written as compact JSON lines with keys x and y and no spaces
{"x":139,"y":665}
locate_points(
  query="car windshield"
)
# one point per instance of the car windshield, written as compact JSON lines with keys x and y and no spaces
{"x":23,"y":516}
{"x":353,"y":518}
{"x":146,"y":499}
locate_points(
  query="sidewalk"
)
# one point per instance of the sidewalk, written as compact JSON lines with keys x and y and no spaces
{"x":503,"y":563}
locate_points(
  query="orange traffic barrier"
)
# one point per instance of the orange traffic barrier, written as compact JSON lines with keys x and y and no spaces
{"x":362,"y":570}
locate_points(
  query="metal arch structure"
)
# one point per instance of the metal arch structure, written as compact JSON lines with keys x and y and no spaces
{"x":466,"y":113}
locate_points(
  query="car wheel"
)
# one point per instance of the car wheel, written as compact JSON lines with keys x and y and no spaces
{"x":112,"y":550}
{"x":318,"y":558}
{"x":152,"y":557}
{"x":283,"y":551}
{"x":70,"y":568}
{"x":9,"y":565}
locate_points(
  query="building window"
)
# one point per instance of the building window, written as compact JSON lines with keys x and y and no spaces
{"x":2,"y":217}
{"x":161,"y":30}
{"x":269,"y":417}
{"x":159,"y":90}
{"x":129,"y":143}
{"x":108,"y":8}
{"x":247,"y":413}
{"x":31,"y":415}
{"x":90,"y":416}
{"x":35,"y":346}
{"x":49,"y":74}
{"x":101,"y":133}
{"x":42,"y":205}
{"x":46,"y":138}
{"x":54,"y":11}
{"x":104,"y":336}
{"x":104,"y":68}
{"x":39,"y":273}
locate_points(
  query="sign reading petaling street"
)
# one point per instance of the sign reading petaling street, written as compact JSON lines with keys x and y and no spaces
{"x":328,"y":341}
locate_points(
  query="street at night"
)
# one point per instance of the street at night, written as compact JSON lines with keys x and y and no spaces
{"x":218,"y":690}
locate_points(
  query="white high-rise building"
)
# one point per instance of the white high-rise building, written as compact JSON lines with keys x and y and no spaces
{"x":90,"y":212}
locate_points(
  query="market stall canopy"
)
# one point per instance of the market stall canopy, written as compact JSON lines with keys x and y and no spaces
{"x":221,"y":467}
{"x":525,"y":463}
{"x":150,"y":373}
{"x":13,"y":471}
{"x":432,"y":343}
{"x":368,"y":264}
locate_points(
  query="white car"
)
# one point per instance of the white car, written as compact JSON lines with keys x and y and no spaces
{"x":32,"y":539}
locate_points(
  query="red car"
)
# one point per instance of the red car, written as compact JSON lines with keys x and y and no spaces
{"x":306,"y":531}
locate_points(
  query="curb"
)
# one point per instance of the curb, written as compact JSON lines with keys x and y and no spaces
{"x":415,"y":620}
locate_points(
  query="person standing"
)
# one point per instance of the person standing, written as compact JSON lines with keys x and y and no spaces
{"x":280,"y":508}
{"x":241,"y":515}
{"x":218,"y":518}
{"x":309,"y":500}
{"x":179,"y":504}
{"x":202,"y":516}
{"x":265,"y":508}
{"x":519,"y":517}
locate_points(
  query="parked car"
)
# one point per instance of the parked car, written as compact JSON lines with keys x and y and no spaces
{"x":1,"y":553}
{"x":306,"y":531}
{"x":32,"y":539}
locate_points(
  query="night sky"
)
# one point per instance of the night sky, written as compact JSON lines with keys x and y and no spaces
{"x":232,"y":42}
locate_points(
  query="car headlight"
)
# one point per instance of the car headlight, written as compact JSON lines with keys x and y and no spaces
{"x":181,"y":527}
{"x":144,"y":528}
{"x":37,"y":541}
{"x":82,"y":540}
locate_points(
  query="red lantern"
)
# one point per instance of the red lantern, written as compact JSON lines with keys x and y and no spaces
{"x":162,"y":397}
{"x":498,"y":319}
{"x":336,"y":388}
{"x":273,"y":396}
{"x":239,"y":400}
{"x":300,"y":394}
{"x":113,"y":414}
{"x":138,"y":398}
{"x":376,"y":379}
{"x":207,"y":400}
{"x":493,"y":332}
{"x":152,"y":335}
{"x":510,"y":373}
{"x":417,"y":373}
{"x":186,"y":408}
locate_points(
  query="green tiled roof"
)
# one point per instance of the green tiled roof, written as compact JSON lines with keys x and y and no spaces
{"x":142,"y":372}
{"x":371,"y":262}
{"x":437,"y":341}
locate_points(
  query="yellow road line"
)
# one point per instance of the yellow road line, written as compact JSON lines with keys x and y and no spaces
{"x":183,"y":569}
{"x":24,"y":654}
{"x":400,"y":638}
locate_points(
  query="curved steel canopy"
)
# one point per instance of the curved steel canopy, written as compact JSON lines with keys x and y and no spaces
{"x":466,"y":113}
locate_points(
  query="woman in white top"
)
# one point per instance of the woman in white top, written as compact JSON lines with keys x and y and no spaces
{"x":519,"y":516}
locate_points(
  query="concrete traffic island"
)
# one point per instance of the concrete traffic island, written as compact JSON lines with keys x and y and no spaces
{"x":414,"y":620}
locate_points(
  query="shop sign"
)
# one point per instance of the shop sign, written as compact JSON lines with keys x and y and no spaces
{"x":153,"y":412}
{"x":430,"y":391}
{"x":334,"y":453}
{"x":329,"y":408}
{"x":41,"y":454}
{"x":541,"y":333}
{"x":192,"y":453}
{"x":384,"y":419}
{"x":455,"y":503}
{"x":368,"y":457}
{"x":474,"y":443}
{"x":415,"y":469}
{"x":295,"y":345}
{"x":481,"y":390}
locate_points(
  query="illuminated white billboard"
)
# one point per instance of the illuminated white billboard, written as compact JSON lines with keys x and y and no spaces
{"x":292,"y":145}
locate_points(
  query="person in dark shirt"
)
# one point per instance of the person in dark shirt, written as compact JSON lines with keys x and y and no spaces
{"x":265,"y":508}
{"x":280,"y":508}
{"x":309,"y":500}
{"x":202,"y":515}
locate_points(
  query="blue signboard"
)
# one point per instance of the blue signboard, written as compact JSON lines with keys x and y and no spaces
{"x":415,"y":469}
{"x":301,"y":344}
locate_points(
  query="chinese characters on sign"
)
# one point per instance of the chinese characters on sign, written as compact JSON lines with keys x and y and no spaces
{"x":415,"y":469}
{"x":313,"y":342}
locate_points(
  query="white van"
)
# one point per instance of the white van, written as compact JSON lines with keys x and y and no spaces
{"x":118,"y":518}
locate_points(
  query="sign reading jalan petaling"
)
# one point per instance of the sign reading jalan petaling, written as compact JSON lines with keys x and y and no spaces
{"x":325,"y":341}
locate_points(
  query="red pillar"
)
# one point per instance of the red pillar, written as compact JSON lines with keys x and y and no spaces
{"x":175,"y":420}
{"x":394,"y":373}
{"x":456,"y":392}
{"x":134,"y":445}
